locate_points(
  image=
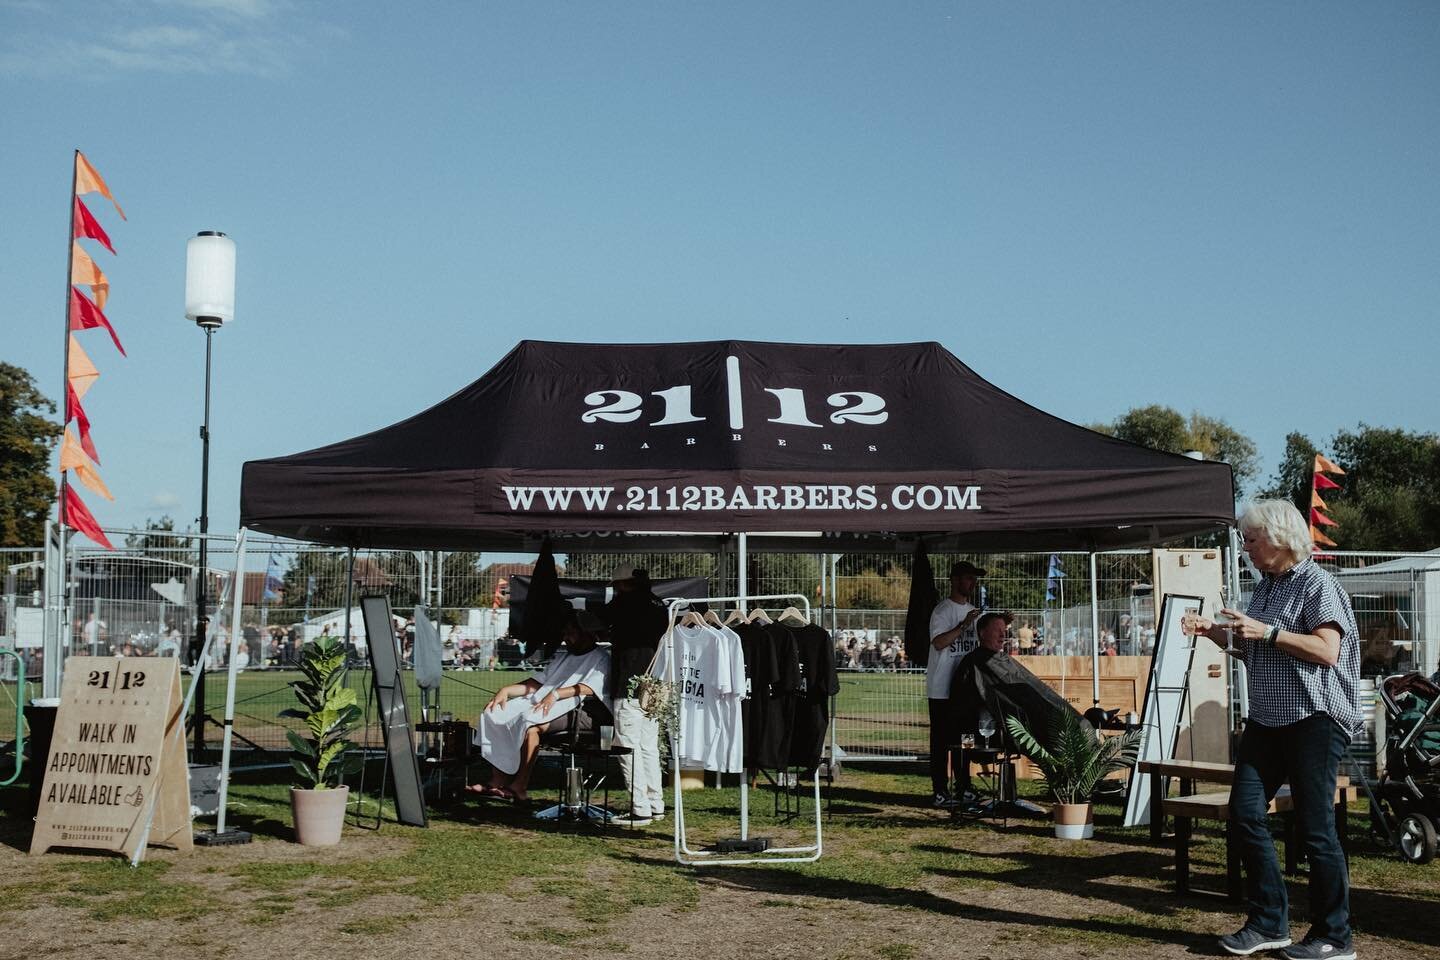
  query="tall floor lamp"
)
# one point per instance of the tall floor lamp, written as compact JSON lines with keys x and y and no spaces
{"x":210,"y":302}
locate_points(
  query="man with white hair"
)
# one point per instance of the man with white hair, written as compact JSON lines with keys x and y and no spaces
{"x":1299,"y":640}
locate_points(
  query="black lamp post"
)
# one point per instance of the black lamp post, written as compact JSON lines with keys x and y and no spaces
{"x":210,"y":302}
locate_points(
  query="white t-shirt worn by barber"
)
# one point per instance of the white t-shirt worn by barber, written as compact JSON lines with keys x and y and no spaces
{"x":940,"y":669}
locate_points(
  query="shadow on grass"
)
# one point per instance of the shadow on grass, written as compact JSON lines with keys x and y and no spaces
{"x":772,"y":882}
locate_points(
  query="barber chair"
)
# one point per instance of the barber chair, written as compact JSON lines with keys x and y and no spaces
{"x":577,"y":786}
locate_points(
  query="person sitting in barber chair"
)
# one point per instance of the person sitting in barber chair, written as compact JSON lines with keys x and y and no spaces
{"x":550,"y":702}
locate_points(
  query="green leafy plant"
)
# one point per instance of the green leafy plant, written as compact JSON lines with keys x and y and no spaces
{"x":660,"y":701}
{"x":1075,"y":758}
{"x":330,"y":710}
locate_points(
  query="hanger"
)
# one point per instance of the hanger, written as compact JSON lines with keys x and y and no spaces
{"x":758,"y":615}
{"x":692,"y":619}
{"x":736,"y":616}
{"x":790,"y":613}
{"x":713,"y":618}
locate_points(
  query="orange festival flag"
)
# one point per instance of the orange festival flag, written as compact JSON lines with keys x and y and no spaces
{"x":75,"y":515}
{"x":73,"y":458}
{"x":1319,"y":538}
{"x":84,"y":315}
{"x":77,"y":413}
{"x":88,"y":180}
{"x":87,"y":226}
{"x":1324,"y":465}
{"x":81,"y":373}
{"x":83,"y":270}
{"x":1323,"y":482}
{"x":1316,"y":503}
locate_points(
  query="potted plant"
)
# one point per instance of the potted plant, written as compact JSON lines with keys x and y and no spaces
{"x":330,"y":711}
{"x":1073,"y":761}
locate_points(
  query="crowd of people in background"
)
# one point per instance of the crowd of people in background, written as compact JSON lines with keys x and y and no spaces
{"x":863,"y":651}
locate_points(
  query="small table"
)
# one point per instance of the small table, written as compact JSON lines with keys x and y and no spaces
{"x":603,"y":783}
{"x":994,"y":780}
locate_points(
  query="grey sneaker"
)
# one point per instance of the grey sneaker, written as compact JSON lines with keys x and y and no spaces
{"x":943,"y":801}
{"x":1248,"y":940}
{"x":1312,"y":949}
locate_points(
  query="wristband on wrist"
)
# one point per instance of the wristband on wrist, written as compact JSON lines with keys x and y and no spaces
{"x":1272,"y":635}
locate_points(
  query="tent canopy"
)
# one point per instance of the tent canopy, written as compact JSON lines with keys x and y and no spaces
{"x":664,"y":446}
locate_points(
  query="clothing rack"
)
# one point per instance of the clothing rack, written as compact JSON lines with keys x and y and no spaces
{"x":684,"y":854}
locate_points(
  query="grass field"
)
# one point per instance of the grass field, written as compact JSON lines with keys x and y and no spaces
{"x":876,"y":713}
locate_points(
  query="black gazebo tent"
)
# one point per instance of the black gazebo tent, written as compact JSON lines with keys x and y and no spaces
{"x":606,"y":446}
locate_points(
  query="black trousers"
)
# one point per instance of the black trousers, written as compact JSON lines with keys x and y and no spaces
{"x":942,"y":737}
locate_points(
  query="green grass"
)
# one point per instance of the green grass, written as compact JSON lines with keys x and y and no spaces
{"x":883,"y":847}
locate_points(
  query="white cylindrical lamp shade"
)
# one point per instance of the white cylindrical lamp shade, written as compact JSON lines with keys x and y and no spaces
{"x":210,"y":279}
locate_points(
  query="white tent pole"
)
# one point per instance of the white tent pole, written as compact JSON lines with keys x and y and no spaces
{"x":238,"y":594}
{"x":1094,"y":631}
{"x":744,"y":774}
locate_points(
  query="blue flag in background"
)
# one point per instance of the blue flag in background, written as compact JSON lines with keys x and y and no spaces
{"x":1053,"y":577}
{"x":273,"y":580}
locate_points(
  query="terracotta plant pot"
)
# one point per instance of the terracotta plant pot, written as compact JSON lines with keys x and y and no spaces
{"x":1073,"y":821}
{"x":319,"y":815}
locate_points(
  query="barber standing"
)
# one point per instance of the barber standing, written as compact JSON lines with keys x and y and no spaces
{"x":952,"y":635}
{"x":1298,"y":639}
{"x":637,"y":621}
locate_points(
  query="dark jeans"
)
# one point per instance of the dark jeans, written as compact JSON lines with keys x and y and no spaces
{"x":1307,"y":756}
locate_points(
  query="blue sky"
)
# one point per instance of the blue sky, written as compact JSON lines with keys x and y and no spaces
{"x":1229,"y":207}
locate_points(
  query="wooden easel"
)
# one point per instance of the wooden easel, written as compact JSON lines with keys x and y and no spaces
{"x":116,"y":778}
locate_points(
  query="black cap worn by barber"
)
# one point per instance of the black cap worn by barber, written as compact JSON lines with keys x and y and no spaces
{"x":637,"y":621}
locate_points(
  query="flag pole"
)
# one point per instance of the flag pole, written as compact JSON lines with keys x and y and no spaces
{"x":65,"y":403}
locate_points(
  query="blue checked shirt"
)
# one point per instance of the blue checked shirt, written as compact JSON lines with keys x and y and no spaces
{"x":1283,"y":689}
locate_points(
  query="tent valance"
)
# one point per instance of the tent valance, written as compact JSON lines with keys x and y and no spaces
{"x":609,"y":446}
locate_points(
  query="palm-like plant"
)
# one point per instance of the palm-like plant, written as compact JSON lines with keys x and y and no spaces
{"x":1076,"y":758}
{"x":329,"y":710}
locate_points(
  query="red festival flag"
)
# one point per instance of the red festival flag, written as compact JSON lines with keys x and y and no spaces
{"x":87,"y":226}
{"x":1317,"y":517}
{"x":77,"y":413}
{"x":76,"y":516}
{"x":84,"y":315}
{"x":1323,"y":482}
{"x":88,"y":180}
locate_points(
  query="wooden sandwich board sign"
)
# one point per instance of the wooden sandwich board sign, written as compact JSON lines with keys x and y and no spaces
{"x":116,"y":778}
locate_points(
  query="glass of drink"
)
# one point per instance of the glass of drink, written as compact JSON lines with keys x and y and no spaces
{"x":607,"y":736}
{"x":986,"y":728}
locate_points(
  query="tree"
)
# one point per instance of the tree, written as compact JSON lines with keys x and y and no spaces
{"x":1292,"y":481}
{"x":1164,"y":428}
{"x":27,"y":437}
{"x":1389,"y":497}
{"x":156,"y":541}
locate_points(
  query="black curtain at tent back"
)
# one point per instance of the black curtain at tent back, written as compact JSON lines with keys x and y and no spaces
{"x":923,"y":598}
{"x":547,"y":610}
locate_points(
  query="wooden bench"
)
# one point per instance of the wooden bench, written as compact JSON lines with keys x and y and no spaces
{"x":1216,"y":806}
{"x":1188,"y":772}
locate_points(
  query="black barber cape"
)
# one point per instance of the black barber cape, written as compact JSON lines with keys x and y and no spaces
{"x":999,"y":683}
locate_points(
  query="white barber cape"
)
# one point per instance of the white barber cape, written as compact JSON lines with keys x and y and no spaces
{"x":501,"y":731}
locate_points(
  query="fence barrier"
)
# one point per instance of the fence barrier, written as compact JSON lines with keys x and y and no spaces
{"x":139,"y":600}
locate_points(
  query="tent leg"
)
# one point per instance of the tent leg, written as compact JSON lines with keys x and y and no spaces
{"x":1094,"y":631}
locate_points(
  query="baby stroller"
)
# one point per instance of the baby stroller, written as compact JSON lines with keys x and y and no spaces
{"x":1405,"y":801}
